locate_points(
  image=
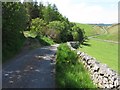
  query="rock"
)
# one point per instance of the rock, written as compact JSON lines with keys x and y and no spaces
{"x":105,"y":80}
{"x":82,"y":54}
{"x":101,"y":74}
{"x":96,"y":68}
{"x":78,"y":52}
{"x":26,"y":70}
{"x":17,"y":71}
{"x":10,"y":72}
{"x":6,"y":75}
{"x":19,"y":76}
{"x":37,"y":70}
{"x":11,"y":82}
{"x":115,"y":83}
{"x":10,"y":77}
{"x":31,"y":68}
{"x":110,"y":86}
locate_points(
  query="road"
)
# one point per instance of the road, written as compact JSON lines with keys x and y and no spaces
{"x":35,"y":69}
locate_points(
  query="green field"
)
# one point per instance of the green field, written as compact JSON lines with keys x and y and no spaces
{"x":112,"y":33}
{"x":104,"y":52}
{"x":90,"y":30}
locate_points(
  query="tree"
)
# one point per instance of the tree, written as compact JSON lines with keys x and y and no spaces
{"x":54,"y":29}
{"x":38,"y":26}
{"x":78,"y":34}
{"x":60,"y":31}
{"x":32,"y":9}
{"x":14,"y":18}
{"x":51,"y":13}
{"x":41,"y":8}
{"x":35,"y":10}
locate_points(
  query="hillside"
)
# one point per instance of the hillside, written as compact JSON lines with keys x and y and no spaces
{"x":90,"y":30}
{"x":112,"y":33}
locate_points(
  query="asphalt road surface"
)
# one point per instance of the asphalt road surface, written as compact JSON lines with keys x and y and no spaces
{"x":35,"y":69}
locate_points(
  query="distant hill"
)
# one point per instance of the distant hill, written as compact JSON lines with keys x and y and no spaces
{"x":90,"y":29}
{"x":113,"y":33}
{"x":97,"y":29}
{"x":103,"y":24}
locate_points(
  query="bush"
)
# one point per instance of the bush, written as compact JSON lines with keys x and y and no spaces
{"x":78,"y":34}
{"x":65,"y":55}
{"x":69,"y":72}
{"x":60,"y":31}
{"x":54,"y":30}
{"x":38,"y":26}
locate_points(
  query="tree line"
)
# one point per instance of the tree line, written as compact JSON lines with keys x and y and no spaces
{"x":44,"y":20}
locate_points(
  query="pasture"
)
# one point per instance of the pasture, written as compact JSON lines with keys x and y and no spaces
{"x":112,"y":33}
{"x":90,"y":30}
{"x":104,"y":52}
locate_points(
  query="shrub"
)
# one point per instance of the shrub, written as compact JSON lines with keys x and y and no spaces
{"x":78,"y":34}
{"x":54,"y":29}
{"x":69,"y":72}
{"x":38,"y":26}
{"x":65,"y":55}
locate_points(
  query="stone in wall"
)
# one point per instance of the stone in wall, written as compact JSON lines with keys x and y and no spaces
{"x":101,"y":74}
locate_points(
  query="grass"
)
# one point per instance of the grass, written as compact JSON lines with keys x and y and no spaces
{"x":113,"y":37}
{"x":69,"y":72}
{"x":45,"y":40}
{"x":90,"y":30}
{"x":42,"y":39}
{"x":29,"y":34}
{"x":104,"y":52}
{"x":112,"y":33}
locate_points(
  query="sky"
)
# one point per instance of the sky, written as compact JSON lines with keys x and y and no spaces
{"x":87,"y":11}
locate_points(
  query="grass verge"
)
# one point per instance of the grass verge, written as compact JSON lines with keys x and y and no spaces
{"x":69,"y":72}
{"x":45,"y":41}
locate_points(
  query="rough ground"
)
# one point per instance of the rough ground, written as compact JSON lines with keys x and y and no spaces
{"x":35,"y":69}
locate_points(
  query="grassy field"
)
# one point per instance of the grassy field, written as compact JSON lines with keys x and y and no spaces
{"x":90,"y":30}
{"x":112,"y":33}
{"x":104,"y":52}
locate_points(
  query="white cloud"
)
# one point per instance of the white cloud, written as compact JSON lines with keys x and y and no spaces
{"x":88,"y":12}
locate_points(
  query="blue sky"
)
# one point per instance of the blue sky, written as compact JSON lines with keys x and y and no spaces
{"x":88,"y":11}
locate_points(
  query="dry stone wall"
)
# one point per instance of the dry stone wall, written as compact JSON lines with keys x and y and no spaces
{"x":101,"y":74}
